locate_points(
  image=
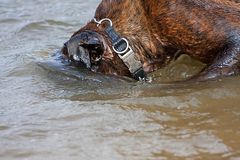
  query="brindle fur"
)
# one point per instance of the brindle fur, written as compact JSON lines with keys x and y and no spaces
{"x":207,"y":30}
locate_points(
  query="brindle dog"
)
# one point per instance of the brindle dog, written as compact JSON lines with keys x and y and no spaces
{"x":207,"y":30}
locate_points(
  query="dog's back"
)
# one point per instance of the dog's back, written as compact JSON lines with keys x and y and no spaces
{"x":198,"y":27}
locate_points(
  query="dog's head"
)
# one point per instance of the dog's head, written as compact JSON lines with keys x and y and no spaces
{"x":91,"y":49}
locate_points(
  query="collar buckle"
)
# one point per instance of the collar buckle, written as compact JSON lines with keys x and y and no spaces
{"x":121,"y":46}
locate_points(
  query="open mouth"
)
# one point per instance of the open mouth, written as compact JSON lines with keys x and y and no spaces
{"x":85,"y":49}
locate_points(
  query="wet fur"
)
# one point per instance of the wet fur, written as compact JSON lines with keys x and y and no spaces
{"x":207,"y":30}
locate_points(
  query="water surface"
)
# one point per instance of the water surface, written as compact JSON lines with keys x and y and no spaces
{"x":52,"y":111}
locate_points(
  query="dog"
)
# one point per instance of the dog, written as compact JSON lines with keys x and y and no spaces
{"x":135,"y":37}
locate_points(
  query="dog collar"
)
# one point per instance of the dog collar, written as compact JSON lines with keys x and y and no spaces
{"x":120,"y":45}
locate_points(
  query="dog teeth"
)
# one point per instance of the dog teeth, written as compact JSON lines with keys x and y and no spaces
{"x":76,"y":58}
{"x":98,"y":59}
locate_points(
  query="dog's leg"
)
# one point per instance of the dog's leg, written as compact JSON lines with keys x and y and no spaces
{"x":227,"y":63}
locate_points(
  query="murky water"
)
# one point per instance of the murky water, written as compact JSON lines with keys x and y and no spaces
{"x":51,"y":111}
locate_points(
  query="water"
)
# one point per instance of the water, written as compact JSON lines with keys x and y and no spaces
{"x":52,"y":111}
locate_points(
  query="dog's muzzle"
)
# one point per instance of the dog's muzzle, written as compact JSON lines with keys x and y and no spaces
{"x":77,"y":52}
{"x":84,"y":49}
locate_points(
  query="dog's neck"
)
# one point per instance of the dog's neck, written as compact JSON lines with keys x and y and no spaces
{"x":120,"y":46}
{"x":145,"y":45}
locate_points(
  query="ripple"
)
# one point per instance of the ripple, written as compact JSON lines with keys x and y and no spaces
{"x":3,"y":127}
{"x":9,"y":20}
{"x":33,"y":134}
{"x":43,"y":25}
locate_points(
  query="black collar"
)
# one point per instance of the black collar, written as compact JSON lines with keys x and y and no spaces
{"x":121,"y":46}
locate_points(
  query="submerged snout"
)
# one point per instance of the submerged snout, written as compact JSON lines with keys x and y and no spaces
{"x":85,"y":49}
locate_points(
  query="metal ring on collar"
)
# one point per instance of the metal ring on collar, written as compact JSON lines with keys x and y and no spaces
{"x":125,"y":50}
{"x":102,"y":20}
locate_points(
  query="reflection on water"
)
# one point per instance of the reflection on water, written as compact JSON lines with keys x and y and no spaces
{"x":50,"y":110}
